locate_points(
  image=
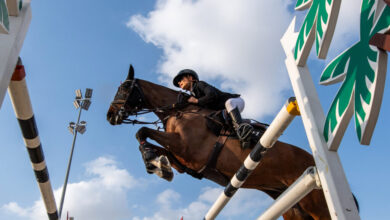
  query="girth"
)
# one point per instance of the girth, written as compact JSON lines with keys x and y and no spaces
{"x":209,"y":170}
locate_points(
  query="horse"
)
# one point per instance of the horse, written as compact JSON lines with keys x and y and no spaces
{"x":187,"y":144}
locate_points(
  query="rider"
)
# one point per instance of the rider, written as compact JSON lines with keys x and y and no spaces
{"x":207,"y":96}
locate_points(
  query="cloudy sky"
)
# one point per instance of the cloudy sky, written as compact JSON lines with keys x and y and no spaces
{"x":233,"y":44}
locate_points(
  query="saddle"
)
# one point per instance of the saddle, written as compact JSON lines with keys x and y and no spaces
{"x":220,"y":124}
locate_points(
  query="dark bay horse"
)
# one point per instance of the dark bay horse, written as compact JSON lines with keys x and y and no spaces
{"x":188,"y":143}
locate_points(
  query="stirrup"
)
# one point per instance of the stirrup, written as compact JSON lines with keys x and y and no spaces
{"x":244,"y":131}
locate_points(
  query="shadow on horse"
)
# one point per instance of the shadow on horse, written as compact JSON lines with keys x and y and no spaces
{"x":188,"y":144}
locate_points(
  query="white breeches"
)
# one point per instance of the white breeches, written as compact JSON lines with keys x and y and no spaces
{"x":233,"y":103}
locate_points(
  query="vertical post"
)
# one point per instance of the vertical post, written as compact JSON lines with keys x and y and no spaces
{"x":271,"y":135}
{"x":334,"y":183}
{"x":20,"y":98}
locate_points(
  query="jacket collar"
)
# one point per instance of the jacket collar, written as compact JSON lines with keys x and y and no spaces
{"x":194,"y":85}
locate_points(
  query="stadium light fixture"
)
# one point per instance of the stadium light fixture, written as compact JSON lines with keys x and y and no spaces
{"x":74,"y":128}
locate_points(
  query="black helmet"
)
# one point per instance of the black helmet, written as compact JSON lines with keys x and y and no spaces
{"x":183,"y":73}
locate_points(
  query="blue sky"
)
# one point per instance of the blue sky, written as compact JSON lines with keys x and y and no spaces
{"x":234,"y":45}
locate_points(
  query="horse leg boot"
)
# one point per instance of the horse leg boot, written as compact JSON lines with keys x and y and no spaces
{"x":159,"y":165}
{"x":148,"y":154}
{"x":243,"y":130}
{"x":154,"y":164}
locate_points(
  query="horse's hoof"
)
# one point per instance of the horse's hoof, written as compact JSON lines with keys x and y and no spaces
{"x":164,"y":163}
{"x":166,"y":168}
{"x":163,"y":167}
{"x":168,"y":176}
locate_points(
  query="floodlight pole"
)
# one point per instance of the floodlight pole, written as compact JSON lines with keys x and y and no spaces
{"x":69,"y":163}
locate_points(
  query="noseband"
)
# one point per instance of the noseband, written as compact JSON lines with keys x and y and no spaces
{"x":129,"y":104}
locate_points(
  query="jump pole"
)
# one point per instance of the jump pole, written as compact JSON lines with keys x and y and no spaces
{"x":299,"y":189}
{"x":271,"y":135}
{"x":21,"y":103}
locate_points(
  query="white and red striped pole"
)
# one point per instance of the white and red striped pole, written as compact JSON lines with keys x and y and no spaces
{"x":20,"y":98}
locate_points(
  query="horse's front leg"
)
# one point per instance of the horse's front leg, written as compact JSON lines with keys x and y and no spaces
{"x":168,"y":140}
{"x":156,"y":159}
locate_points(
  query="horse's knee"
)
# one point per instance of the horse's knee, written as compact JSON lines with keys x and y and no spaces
{"x":141,"y":134}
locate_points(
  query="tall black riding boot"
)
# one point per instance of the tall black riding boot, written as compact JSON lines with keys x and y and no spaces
{"x":243,"y":130}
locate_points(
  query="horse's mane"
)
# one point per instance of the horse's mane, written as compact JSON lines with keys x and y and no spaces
{"x":158,"y":95}
{"x":161,"y":96}
{"x":158,"y":87}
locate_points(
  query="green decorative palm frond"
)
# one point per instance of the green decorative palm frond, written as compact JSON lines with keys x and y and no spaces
{"x":303,"y":4}
{"x":4,"y":19}
{"x":319,"y":24}
{"x":362,"y":69}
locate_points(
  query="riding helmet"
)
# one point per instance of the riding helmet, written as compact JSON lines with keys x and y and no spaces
{"x":183,"y":73}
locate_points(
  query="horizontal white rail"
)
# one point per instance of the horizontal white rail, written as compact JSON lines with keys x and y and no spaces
{"x":300,"y":188}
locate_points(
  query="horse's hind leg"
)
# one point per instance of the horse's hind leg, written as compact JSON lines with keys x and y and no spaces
{"x":296,"y":213}
{"x":314,"y":204}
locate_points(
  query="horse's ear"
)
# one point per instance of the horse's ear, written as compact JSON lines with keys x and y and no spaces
{"x":131,"y":73}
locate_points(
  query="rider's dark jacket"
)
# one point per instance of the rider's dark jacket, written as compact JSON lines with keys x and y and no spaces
{"x":210,"y":97}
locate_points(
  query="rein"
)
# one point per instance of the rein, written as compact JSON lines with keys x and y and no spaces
{"x":157,"y":110}
{"x":140,"y":110}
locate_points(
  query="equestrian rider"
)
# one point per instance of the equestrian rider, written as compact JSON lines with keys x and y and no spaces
{"x":207,"y":96}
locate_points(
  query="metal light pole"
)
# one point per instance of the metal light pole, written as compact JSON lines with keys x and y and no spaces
{"x":79,"y":127}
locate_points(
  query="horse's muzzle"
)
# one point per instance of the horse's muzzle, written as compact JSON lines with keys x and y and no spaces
{"x":115,"y":120}
{"x":113,"y":117}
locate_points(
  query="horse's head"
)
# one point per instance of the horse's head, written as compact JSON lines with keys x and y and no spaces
{"x":128,"y":100}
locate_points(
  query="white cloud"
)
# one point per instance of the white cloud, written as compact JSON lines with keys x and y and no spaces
{"x":245,"y":204}
{"x":105,"y":195}
{"x":101,"y":197}
{"x":234,"y":42}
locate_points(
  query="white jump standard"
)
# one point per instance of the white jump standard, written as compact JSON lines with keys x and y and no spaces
{"x":23,"y":110}
{"x":271,"y":135}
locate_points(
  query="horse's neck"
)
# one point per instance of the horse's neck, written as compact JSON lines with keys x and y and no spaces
{"x":158,"y":96}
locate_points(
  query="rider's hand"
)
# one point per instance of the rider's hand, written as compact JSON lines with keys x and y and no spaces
{"x":193,"y":100}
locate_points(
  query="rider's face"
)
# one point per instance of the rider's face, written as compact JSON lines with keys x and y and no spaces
{"x":185,"y":83}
